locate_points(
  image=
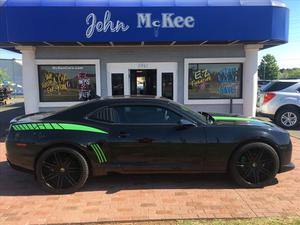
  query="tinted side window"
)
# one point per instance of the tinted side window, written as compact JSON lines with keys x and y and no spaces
{"x":278,"y":86}
{"x":108,"y":115}
{"x":146,"y":115}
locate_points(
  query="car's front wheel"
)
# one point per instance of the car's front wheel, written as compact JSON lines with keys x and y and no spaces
{"x":61,"y":170}
{"x":254,"y":165}
{"x":288,"y":117}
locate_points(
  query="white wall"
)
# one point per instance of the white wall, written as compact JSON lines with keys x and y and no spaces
{"x":150,"y":54}
{"x":250,"y":80}
{"x":30,"y":80}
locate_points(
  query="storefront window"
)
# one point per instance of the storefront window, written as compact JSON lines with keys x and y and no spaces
{"x":215,"y":81}
{"x":67,"y":83}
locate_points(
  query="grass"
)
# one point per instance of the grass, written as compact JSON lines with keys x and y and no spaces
{"x":256,"y":221}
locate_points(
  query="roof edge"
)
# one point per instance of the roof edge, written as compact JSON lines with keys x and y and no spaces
{"x":140,"y":3}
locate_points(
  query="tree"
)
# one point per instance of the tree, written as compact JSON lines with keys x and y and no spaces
{"x":268,"y":68}
{"x":290,"y":73}
{"x":3,"y":76}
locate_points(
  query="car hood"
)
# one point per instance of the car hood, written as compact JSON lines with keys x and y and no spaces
{"x":239,"y":120}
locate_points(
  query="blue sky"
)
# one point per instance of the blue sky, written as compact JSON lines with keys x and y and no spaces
{"x":287,"y":55}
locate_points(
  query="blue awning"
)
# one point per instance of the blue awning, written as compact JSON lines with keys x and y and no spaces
{"x":142,"y":3}
{"x":89,"y":22}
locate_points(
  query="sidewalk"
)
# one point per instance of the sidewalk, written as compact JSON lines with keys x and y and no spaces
{"x":142,"y":197}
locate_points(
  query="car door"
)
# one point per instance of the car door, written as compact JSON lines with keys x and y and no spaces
{"x":149,"y":138}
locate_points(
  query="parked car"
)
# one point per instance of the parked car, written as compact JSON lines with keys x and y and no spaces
{"x":144,"y":135}
{"x":280,"y":101}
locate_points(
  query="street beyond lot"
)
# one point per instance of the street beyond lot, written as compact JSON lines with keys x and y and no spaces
{"x":7,"y":113}
{"x":146,"y":197}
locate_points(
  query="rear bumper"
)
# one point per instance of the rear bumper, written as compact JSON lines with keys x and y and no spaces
{"x":20,"y":157}
{"x":286,"y":168}
{"x":261,"y":114}
{"x":19,"y":168}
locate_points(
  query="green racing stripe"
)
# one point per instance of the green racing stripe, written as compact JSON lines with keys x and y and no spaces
{"x":229,"y":118}
{"x":99,"y":153}
{"x":56,"y":126}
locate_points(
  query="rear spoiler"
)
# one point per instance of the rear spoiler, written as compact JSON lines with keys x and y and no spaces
{"x":17,"y":119}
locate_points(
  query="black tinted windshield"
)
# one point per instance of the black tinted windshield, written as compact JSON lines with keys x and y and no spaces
{"x":277,"y":86}
{"x":194,"y":114}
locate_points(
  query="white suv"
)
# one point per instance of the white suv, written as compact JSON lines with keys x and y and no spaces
{"x":280,"y":101}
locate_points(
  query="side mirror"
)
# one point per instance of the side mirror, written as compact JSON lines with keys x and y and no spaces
{"x":183,"y":123}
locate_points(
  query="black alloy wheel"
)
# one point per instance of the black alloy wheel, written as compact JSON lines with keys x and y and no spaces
{"x":254,"y":165}
{"x":62,"y":170}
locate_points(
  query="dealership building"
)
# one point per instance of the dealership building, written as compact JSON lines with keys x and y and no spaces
{"x":202,"y":53}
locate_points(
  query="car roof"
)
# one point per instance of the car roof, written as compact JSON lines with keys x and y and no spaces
{"x":78,"y":111}
{"x":146,"y":97}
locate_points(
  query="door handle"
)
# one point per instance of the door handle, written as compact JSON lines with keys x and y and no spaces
{"x":123,"y":135}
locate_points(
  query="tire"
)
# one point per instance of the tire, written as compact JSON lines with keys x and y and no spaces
{"x":288,"y":117}
{"x":61,"y":170}
{"x":254,"y":165}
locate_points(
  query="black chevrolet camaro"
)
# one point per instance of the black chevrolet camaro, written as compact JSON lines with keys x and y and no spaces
{"x":144,"y":135}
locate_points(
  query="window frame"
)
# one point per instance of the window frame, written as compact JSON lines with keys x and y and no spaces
{"x":138,"y":124}
{"x":61,"y":62}
{"x":211,"y":101}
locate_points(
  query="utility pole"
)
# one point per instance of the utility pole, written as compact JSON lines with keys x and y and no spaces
{"x":264,"y":71}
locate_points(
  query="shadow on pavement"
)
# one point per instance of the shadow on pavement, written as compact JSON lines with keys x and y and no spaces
{"x":15,"y":183}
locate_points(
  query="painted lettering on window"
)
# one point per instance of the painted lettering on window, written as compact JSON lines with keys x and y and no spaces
{"x":215,"y":80}
{"x":201,"y":79}
{"x":227,"y":79}
{"x":55,"y":83}
{"x":67,"y":83}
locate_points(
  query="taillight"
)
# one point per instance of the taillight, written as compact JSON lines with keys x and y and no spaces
{"x":268,"y":97}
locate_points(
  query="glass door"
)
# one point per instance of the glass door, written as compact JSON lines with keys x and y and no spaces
{"x":167,"y":85}
{"x":143,"y":82}
{"x":117,"y":84}
{"x":143,"y":78}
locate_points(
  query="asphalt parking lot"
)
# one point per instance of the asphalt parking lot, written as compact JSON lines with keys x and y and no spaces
{"x":7,"y":113}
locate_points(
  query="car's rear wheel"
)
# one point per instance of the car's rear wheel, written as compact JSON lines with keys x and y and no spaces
{"x":62,"y":170}
{"x":288,"y":117}
{"x":254,"y":165}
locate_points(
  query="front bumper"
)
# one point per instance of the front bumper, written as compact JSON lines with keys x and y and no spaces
{"x":286,"y":168}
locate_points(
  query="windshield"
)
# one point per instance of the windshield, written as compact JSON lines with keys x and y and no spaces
{"x":194,"y":114}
